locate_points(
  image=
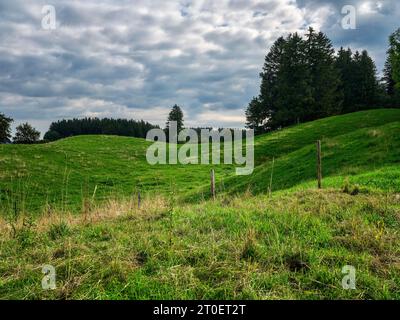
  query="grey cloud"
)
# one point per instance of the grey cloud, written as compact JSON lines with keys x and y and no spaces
{"x":114,"y":56}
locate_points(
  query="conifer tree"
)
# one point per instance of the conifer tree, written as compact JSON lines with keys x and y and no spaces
{"x":175,"y":114}
{"x":5,"y":128}
{"x":325,"y":80}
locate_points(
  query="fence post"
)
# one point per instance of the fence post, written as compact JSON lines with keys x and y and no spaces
{"x":319,"y":164}
{"x":138,"y":199}
{"x":270,"y":181}
{"x":213,"y":184}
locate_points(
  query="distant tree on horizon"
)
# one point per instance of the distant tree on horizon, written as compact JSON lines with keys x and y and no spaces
{"x":5,"y":128}
{"x":26,"y":134}
{"x":176,"y":114}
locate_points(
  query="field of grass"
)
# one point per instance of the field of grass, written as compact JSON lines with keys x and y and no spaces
{"x":72,"y":204}
{"x":61,"y":175}
{"x":290,"y":246}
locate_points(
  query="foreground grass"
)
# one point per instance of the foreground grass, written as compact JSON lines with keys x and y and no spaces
{"x":290,"y":246}
{"x":56,"y":208}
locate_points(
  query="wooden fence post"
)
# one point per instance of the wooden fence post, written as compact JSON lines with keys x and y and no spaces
{"x":270,"y":180}
{"x":319,"y":164}
{"x":213,"y":184}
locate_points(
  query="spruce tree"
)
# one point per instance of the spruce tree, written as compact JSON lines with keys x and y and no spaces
{"x":294,"y":95}
{"x":5,"y":128}
{"x":325,"y":79}
{"x":343,"y":64}
{"x":358,"y":80}
{"x":391,"y":71}
{"x":175,"y":114}
{"x":369,"y":91}
{"x":394,"y":52}
{"x":388,"y":77}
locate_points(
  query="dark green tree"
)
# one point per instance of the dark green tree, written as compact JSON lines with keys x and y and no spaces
{"x":325,"y":78}
{"x":394,"y":53}
{"x":261,"y":111}
{"x":344,"y":65}
{"x":392,"y":86}
{"x":256,"y":115}
{"x":388,"y":77}
{"x":175,"y":114}
{"x":26,"y":134}
{"x":294,"y":83}
{"x":5,"y":128}
{"x":359,"y":81}
{"x":51,"y":136}
{"x":369,"y":82}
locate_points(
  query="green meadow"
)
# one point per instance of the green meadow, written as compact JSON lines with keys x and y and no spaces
{"x":270,"y":235}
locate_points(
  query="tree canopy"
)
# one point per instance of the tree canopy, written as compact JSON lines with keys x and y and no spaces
{"x":5,"y":128}
{"x":106,"y":126}
{"x":175,"y":114}
{"x":394,"y":56}
{"x":26,"y":134}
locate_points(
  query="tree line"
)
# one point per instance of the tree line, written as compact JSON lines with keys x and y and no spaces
{"x":106,"y":126}
{"x":26,"y":134}
{"x":303,"y":79}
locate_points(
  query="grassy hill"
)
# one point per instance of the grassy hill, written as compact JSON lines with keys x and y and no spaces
{"x":290,"y":246}
{"x":245,"y":245}
{"x":362,"y":148}
{"x":60,"y":175}
{"x":63,"y":173}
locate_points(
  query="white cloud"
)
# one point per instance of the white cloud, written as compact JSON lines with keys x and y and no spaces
{"x":137,"y":58}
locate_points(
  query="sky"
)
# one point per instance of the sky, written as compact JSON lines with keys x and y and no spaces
{"x":136,"y":59}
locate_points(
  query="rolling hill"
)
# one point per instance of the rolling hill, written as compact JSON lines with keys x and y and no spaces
{"x":361,"y":147}
{"x":247,"y":244}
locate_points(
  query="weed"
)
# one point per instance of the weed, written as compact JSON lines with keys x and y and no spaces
{"x":59,"y":230}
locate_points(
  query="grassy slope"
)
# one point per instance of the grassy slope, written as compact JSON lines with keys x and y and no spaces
{"x":65,"y":172}
{"x":292,"y":245}
{"x":369,"y":157}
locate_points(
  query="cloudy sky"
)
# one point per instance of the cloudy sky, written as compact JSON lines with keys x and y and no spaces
{"x":136,"y":58}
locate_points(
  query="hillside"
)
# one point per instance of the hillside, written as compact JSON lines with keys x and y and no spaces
{"x":291,"y":246}
{"x":361,"y":147}
{"x":246,"y":244}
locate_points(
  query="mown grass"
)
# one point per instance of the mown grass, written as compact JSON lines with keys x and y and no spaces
{"x":290,"y":246}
